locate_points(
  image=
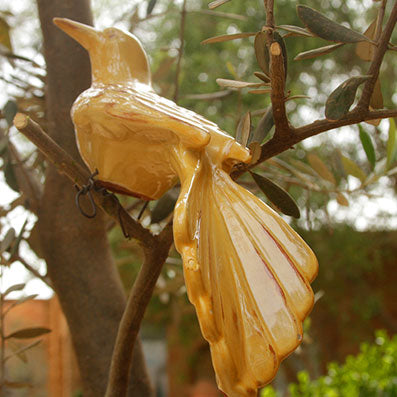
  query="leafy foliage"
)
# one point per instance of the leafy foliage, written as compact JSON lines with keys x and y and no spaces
{"x":371,"y":373}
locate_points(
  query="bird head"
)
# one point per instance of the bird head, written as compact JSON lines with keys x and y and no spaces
{"x":116,"y":56}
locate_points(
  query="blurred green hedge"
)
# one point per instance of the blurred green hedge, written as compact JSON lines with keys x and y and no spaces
{"x":372,"y":373}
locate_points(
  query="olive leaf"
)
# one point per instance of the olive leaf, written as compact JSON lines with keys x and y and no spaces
{"x":5,"y":39}
{"x":391,"y":143}
{"x":236,"y":83}
{"x":262,"y":76}
{"x":3,"y":145}
{"x":277,"y":195}
{"x":323,"y":27}
{"x":9,"y":175}
{"x":318,"y":165}
{"x":217,"y":3}
{"x":342,"y":200}
{"x":10,"y":109}
{"x":264,"y":127}
{"x":341,"y":99}
{"x":150,"y":6}
{"x":15,"y":246}
{"x":256,"y":150}
{"x":28,"y":333}
{"x":261,"y":54}
{"x":318,"y":51}
{"x":227,"y":37}
{"x":368,"y":146}
{"x":7,"y":240}
{"x":351,"y":168}
{"x":295,"y":30}
{"x":15,"y":287}
{"x":364,"y":49}
{"x":243,"y":129}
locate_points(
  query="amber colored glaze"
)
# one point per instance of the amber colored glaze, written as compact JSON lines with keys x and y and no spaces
{"x":247,"y":272}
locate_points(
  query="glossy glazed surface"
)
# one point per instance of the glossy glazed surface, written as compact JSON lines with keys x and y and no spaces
{"x":247,"y":272}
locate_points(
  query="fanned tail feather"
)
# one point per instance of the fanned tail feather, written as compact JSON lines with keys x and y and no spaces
{"x":251,"y":288}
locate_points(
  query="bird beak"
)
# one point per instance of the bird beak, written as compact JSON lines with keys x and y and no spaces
{"x":86,"y":35}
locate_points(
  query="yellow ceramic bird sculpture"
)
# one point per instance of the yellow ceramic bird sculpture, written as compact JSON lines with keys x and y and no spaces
{"x":247,"y":272}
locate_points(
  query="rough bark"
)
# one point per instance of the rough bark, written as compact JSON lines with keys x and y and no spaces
{"x":76,"y":249}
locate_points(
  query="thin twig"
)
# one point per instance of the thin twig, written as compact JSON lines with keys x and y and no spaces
{"x":180,"y":52}
{"x":380,"y":51}
{"x":32,"y":270}
{"x":379,"y":22}
{"x":79,"y":175}
{"x":132,"y":317}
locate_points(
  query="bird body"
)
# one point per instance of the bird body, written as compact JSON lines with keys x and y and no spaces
{"x":247,"y":272}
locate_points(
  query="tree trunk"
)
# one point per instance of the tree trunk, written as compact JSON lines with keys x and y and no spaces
{"x":76,"y":248}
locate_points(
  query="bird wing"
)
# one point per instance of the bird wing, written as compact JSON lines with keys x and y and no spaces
{"x":143,"y":106}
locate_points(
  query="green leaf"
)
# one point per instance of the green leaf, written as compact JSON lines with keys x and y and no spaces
{"x":165,"y":205}
{"x":3,"y":145}
{"x":7,"y":240}
{"x":364,"y":49}
{"x":261,"y":54}
{"x":264,"y":126}
{"x":28,"y":333}
{"x":217,"y":3}
{"x":277,"y":195}
{"x":237,"y":84}
{"x":5,"y":39}
{"x":341,"y":99}
{"x":9,"y":175}
{"x":391,"y":143}
{"x":318,"y":52}
{"x":327,"y":29}
{"x":227,"y":37}
{"x":342,"y":200}
{"x":353,"y":169}
{"x":295,"y":30}
{"x":243,"y":129}
{"x":262,"y":76}
{"x":15,"y":246}
{"x":150,"y":7}
{"x":368,"y":146}
{"x":15,"y":287}
{"x":10,"y":109}
{"x":318,"y":165}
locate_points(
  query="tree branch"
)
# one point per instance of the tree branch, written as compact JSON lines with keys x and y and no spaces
{"x":276,"y":145}
{"x":277,"y":75}
{"x":79,"y":175}
{"x":380,"y":51}
{"x":130,"y":323}
{"x":155,"y":248}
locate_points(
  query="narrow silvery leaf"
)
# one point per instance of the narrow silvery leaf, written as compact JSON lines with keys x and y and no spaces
{"x":341,"y":99}
{"x":277,"y":195}
{"x":323,"y":27}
